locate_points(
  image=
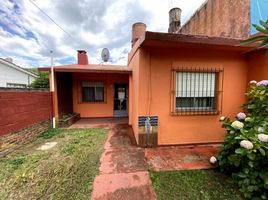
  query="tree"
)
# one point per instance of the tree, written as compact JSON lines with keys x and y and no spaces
{"x":262,"y":38}
{"x":42,"y":81}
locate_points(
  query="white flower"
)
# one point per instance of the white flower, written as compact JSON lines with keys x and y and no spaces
{"x":241,"y":116}
{"x":213,"y":160}
{"x":263,"y":137}
{"x":260,"y":130}
{"x":237,"y":125}
{"x":253,"y":82}
{"x":248,"y":119}
{"x":222,"y":118}
{"x":246,"y":144}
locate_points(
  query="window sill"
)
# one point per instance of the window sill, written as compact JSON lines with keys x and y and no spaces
{"x":194,"y":112}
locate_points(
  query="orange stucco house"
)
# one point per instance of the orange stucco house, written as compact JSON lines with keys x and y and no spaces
{"x":184,"y":83}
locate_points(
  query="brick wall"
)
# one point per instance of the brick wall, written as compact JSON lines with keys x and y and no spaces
{"x":21,"y":108}
{"x":14,"y":140}
{"x":220,"y":18}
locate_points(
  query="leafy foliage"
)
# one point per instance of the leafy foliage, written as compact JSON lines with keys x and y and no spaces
{"x":248,"y":164}
{"x":262,"y":39}
{"x":42,"y":81}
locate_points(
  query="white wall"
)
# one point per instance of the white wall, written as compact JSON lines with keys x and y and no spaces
{"x":10,"y":75}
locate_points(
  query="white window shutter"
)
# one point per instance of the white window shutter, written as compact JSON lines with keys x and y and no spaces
{"x":195,"y":84}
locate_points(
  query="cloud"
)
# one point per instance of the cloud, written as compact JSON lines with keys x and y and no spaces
{"x":27,"y":35}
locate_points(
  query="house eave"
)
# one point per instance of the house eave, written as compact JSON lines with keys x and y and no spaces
{"x":90,"y":69}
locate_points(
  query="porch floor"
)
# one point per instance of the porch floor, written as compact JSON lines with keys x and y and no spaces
{"x":99,"y":122}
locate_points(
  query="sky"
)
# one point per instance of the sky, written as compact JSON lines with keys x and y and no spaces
{"x":259,"y":10}
{"x":27,"y":35}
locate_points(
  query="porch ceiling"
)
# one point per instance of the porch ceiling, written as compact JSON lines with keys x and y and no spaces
{"x":119,"y":69}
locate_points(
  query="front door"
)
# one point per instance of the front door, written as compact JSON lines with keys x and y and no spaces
{"x":120,"y":100}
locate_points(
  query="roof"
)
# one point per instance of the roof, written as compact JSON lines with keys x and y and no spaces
{"x":90,"y":68}
{"x":183,"y":40}
{"x":14,"y":66}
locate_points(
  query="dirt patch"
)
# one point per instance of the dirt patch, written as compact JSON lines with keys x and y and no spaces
{"x":47,"y":146}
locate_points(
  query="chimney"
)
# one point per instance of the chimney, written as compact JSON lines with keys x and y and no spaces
{"x":82,"y":57}
{"x":138,"y":29}
{"x":174,"y":20}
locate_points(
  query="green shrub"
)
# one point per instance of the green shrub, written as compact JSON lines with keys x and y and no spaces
{"x":244,"y":153}
{"x":42,"y":81}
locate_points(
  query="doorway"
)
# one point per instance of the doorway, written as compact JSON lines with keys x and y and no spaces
{"x":120,"y":100}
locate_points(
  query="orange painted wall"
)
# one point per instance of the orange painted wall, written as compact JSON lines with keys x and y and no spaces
{"x":102,"y":109}
{"x":258,"y":66}
{"x":157,"y":100}
{"x":134,"y":62}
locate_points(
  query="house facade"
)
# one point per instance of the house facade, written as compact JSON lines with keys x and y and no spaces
{"x":173,"y":90}
{"x":188,"y":82}
{"x":13,"y":76}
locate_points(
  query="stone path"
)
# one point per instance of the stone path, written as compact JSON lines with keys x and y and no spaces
{"x":123,"y":169}
{"x":124,"y":166}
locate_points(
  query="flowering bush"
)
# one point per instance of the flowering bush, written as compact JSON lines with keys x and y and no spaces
{"x":244,"y":153}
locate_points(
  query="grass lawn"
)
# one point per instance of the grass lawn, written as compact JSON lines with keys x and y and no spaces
{"x":194,"y":185}
{"x":65,"y":171}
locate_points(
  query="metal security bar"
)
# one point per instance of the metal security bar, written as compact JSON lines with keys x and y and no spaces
{"x":197,"y":91}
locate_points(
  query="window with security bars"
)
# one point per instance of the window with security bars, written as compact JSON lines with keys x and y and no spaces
{"x":197,"y":92}
{"x":92,"y":91}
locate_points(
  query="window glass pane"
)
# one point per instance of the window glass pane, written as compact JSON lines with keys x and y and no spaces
{"x":88,"y":94}
{"x":195,"y":103}
{"x":183,"y":102}
{"x":92,"y":91}
{"x":99,"y":94}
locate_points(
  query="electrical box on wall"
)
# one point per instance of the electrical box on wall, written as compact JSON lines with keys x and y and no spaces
{"x":148,"y":131}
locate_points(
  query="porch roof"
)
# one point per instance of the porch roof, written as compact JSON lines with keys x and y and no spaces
{"x":119,"y":69}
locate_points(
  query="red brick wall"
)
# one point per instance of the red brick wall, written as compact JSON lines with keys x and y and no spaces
{"x":21,"y":108}
{"x":220,"y":18}
{"x":15,"y":140}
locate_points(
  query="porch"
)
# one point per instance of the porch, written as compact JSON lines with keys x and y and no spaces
{"x":99,"y":122}
{"x":93,"y":93}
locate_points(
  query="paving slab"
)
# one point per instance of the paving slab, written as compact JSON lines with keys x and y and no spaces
{"x":123,"y":186}
{"x":170,"y":158}
{"x":123,"y":169}
{"x":121,"y":153}
{"x":99,"y":122}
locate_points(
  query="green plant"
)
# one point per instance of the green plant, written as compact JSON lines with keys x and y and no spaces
{"x":194,"y":185}
{"x":244,"y":153}
{"x":42,"y":81}
{"x":263,"y":38}
{"x":49,"y":133}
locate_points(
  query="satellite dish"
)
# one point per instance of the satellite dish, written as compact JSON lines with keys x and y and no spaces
{"x":105,"y":55}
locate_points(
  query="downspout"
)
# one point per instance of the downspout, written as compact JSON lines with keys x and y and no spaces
{"x":52,"y":92}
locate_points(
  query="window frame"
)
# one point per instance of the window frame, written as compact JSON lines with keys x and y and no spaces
{"x":218,"y":91}
{"x":94,"y":101}
{"x":16,"y":85}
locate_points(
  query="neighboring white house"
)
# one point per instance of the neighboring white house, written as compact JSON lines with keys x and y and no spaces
{"x":13,"y":76}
